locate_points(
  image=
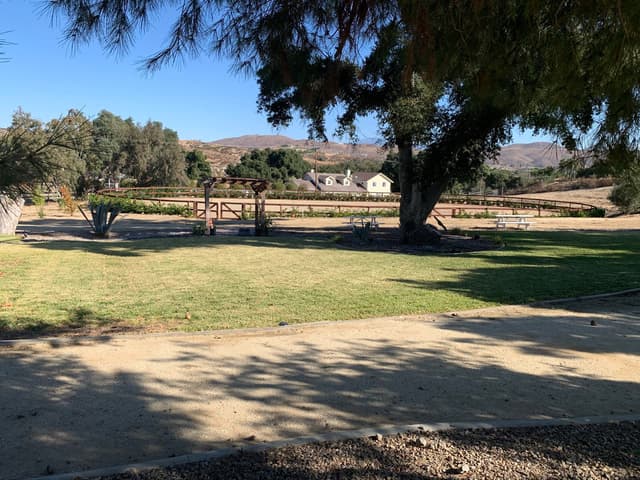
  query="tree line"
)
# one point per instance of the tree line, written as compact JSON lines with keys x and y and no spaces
{"x":89,"y":154}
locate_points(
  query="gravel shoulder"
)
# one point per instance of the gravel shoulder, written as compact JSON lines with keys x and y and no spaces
{"x":604,"y":451}
{"x":81,"y":403}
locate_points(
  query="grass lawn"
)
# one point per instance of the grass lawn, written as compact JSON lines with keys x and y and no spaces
{"x":230,"y":282}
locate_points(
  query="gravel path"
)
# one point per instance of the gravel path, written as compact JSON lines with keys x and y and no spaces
{"x":605,"y":451}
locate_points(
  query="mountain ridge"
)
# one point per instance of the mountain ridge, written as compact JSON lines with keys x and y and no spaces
{"x":225,"y":151}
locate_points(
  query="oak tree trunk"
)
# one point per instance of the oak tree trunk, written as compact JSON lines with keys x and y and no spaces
{"x":10,"y":211}
{"x":417,"y":200}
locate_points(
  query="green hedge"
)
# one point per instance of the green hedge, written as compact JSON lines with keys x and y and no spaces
{"x":128,"y":205}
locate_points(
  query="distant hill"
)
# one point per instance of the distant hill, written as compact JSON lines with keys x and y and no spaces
{"x":531,"y":155}
{"x":223,"y":152}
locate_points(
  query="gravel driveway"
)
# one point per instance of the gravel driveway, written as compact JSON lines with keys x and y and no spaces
{"x":80,"y":404}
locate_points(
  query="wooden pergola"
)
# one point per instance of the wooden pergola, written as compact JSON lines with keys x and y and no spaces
{"x":258,"y":185}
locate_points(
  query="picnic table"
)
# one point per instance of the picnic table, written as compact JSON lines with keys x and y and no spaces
{"x":362,"y":220}
{"x":519,"y":220}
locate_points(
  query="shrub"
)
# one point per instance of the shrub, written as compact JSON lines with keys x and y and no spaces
{"x":128,"y":205}
{"x":67,"y":202}
{"x":594,"y":212}
{"x":38,"y":200}
{"x":198,"y":228}
{"x":103,"y":214}
{"x":626,"y":194}
{"x":362,"y":233}
{"x":264,"y":226}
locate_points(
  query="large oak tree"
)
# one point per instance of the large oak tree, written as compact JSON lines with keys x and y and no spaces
{"x":450,"y":77}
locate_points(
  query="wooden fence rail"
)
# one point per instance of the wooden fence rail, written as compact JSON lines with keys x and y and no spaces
{"x":241,"y":208}
{"x":168,"y":194}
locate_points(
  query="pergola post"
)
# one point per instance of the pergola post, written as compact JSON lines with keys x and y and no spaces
{"x":261,"y":210}
{"x":207,"y":210}
{"x":258,"y":185}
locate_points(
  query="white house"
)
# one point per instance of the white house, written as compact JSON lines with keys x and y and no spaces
{"x":358,"y":182}
{"x":374,"y":183}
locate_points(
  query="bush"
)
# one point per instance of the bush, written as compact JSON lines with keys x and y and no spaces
{"x":128,"y":205}
{"x":594,"y":212}
{"x":626,"y":194}
{"x":67,"y":202}
{"x":38,"y":200}
{"x":362,"y":233}
{"x":103,"y":213}
{"x":264,"y":226}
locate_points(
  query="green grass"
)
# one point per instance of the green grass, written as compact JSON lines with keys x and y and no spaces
{"x":229,"y":282}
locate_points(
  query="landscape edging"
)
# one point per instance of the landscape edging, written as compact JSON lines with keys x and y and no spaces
{"x":335,"y":436}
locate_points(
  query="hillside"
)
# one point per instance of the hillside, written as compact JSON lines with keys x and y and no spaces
{"x":223,"y":152}
{"x":532,"y":155}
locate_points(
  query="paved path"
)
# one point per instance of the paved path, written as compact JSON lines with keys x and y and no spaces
{"x":86,"y":404}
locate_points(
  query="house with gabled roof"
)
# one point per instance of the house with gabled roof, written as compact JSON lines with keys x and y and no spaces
{"x":373,"y":183}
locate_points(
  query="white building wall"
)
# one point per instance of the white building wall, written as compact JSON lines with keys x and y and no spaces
{"x":382,"y":185}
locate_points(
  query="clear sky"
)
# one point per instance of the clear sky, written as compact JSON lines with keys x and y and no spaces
{"x":200,"y":99}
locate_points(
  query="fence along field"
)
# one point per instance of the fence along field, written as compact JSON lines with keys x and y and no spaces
{"x":228,"y":203}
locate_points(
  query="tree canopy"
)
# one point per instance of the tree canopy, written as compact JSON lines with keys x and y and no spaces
{"x":277,"y":166}
{"x":451,"y":77}
{"x":197,"y":166}
{"x":32,"y":152}
{"x":145,"y":155}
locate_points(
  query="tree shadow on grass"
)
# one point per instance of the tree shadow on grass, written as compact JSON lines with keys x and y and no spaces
{"x":79,"y":321}
{"x":134,"y":248}
{"x":527,"y":271}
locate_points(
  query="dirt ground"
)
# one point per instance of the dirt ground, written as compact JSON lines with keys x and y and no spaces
{"x":57,"y":224}
{"x":76,"y":404}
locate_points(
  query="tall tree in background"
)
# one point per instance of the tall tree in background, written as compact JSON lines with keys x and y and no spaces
{"x":198,"y":168}
{"x":149,"y":155}
{"x":274,"y":165}
{"x":451,"y":77}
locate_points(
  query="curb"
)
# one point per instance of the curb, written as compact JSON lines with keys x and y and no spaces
{"x":585,"y":297}
{"x":135,"y":468}
{"x":288,"y":329}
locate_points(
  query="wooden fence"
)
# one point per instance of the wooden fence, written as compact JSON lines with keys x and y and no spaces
{"x":242,"y":206}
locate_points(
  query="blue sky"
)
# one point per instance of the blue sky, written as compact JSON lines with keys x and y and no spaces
{"x":200,"y":99}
